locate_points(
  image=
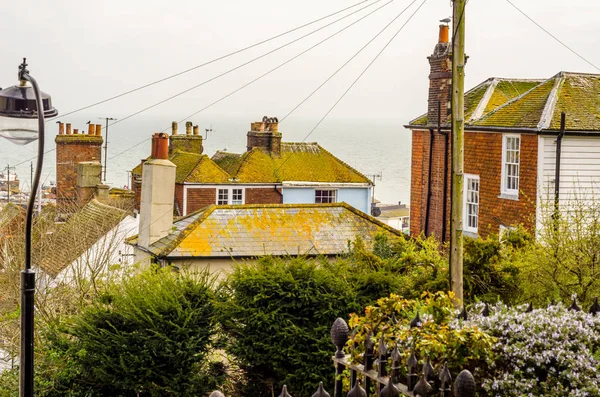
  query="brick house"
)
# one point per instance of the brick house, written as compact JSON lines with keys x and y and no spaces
{"x":269,"y":172}
{"x":511,"y":129}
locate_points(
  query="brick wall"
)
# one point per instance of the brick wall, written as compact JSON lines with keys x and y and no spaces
{"x":483,"y":157}
{"x":263,"y":196}
{"x":179,"y":210}
{"x":198,"y":198}
{"x":70,"y":150}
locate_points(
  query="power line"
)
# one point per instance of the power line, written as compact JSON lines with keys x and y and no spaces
{"x":360,"y":75}
{"x":264,"y":74}
{"x":212,"y":60}
{"x":348,"y":61}
{"x":204,"y":64}
{"x":241,"y":65}
{"x":553,"y":36}
{"x":286,"y":62}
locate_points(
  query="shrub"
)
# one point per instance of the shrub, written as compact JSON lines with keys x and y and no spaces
{"x":438,"y":337}
{"x":278,"y":313}
{"x":549,"y":352}
{"x":149,"y":335}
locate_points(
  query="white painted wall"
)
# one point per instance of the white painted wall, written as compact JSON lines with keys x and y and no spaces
{"x":579,"y":172}
{"x":358,"y":197}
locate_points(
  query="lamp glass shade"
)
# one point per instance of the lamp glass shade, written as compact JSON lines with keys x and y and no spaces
{"x":19,"y":130}
{"x":19,"y":113}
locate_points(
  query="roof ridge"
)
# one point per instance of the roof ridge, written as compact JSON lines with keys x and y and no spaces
{"x":478,"y":112}
{"x":515,"y":99}
{"x":550,"y":106}
{"x":202,"y":215}
{"x":371,"y":218}
{"x":346,"y":164}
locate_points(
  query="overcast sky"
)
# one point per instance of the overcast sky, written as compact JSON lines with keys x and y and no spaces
{"x":84,"y":51}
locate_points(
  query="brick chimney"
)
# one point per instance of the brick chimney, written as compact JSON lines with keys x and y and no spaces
{"x":265,"y":135}
{"x":158,"y":190}
{"x":72,"y":149}
{"x":187,"y":143}
{"x":440,"y":78}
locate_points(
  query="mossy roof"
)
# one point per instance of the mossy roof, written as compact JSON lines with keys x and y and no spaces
{"x":74,"y":237}
{"x":534,"y":105}
{"x":276,"y":229}
{"x":298,"y":161}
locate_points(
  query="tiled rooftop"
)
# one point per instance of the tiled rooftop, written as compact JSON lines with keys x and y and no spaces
{"x":278,"y":229}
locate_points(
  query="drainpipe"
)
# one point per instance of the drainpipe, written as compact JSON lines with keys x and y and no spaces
{"x":445,"y":206}
{"x":428,"y":207}
{"x":561,"y":134}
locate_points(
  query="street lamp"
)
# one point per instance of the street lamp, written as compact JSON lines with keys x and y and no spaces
{"x":18,"y":114}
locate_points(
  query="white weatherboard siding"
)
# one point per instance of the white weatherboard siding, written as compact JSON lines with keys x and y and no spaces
{"x":579,"y":171}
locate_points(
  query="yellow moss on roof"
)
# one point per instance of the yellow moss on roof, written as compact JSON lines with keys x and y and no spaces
{"x":207,"y":171}
{"x":523,"y":112}
{"x":278,"y":229}
{"x":230,"y":162}
{"x":508,"y":89}
{"x":307,"y":162}
{"x":579,"y":98}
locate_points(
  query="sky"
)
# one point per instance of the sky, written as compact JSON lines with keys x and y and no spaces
{"x":82,"y":52}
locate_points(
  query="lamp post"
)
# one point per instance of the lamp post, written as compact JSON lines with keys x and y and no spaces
{"x":18,"y":114}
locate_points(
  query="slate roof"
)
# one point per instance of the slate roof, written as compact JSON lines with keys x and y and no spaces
{"x":275,"y":229}
{"x":78,"y":234}
{"x":533,"y":105}
{"x":298,"y":161}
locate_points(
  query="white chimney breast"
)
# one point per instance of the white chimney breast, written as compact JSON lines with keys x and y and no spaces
{"x":156,"y":207}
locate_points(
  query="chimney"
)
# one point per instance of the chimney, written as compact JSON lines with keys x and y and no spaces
{"x":61,"y":128}
{"x":98,"y":129}
{"x":91,"y":129}
{"x":88,"y":177}
{"x":191,"y":143}
{"x":71,"y":150}
{"x":158,"y":192}
{"x":265,"y":135}
{"x":440,"y":79}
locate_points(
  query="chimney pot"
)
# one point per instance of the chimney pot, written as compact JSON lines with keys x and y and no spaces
{"x":99,"y":129}
{"x":61,"y":128}
{"x":91,"y":129}
{"x":75,"y":131}
{"x":188,"y":128}
{"x":162,"y":146}
{"x":444,"y":32}
{"x":195,"y":130}
{"x":174,"y":127}
{"x":69,"y":129}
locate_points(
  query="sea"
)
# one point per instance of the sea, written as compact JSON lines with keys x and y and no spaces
{"x":380,"y":149}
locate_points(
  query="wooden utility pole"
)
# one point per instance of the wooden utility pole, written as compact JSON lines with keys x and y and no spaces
{"x":458,"y":134}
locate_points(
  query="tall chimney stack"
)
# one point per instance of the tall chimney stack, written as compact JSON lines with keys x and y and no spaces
{"x":190,"y":142}
{"x":265,"y":135}
{"x":158,"y":191}
{"x":440,"y":78}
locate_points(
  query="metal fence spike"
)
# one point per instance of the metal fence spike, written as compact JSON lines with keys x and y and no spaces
{"x":486,"y":310}
{"x":574,"y":306}
{"x":321,"y":391}
{"x":284,"y":392}
{"x":416,"y":322}
{"x":445,"y":378}
{"x":357,"y":391}
{"x":595,"y":308}
{"x":463,"y":315}
{"x":216,"y":393}
{"x":428,"y":370}
{"x":529,"y":308}
{"x":390,"y":390}
{"x":382,"y":349}
{"x":464,"y":386}
{"x":422,"y":388}
{"x":339,"y":336}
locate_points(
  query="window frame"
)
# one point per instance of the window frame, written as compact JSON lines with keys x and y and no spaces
{"x":335,"y":196}
{"x":229,"y":197}
{"x":505,"y":192}
{"x":466,"y":203}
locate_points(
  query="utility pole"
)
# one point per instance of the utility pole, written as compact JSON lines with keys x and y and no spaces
{"x":106,"y":144}
{"x":458,"y":133}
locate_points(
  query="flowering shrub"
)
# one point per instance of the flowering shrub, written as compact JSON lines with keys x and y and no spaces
{"x":462,"y":346}
{"x":551,"y":352}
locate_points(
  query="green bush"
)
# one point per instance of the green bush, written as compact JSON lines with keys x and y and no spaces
{"x":147,"y":336}
{"x":278,"y":313}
